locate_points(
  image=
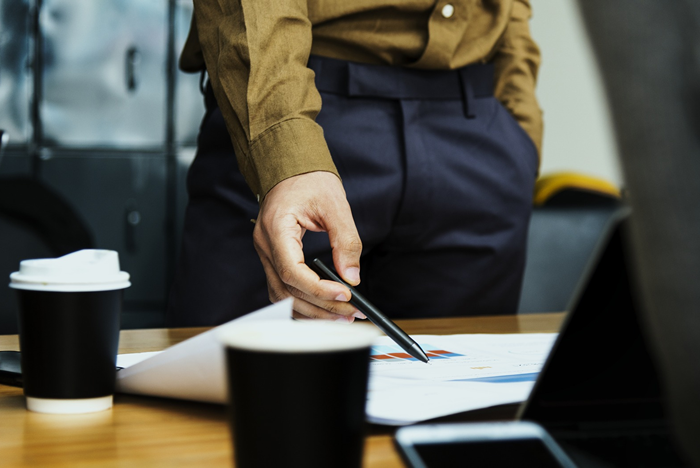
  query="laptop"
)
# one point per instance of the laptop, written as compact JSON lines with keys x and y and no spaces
{"x":598,"y":394}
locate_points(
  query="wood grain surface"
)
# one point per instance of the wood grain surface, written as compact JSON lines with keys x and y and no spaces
{"x":154,"y":432}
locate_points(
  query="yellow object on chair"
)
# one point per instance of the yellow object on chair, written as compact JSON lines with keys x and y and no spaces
{"x":571,"y":188}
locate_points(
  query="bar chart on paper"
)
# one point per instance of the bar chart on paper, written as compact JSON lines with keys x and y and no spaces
{"x":479,"y":358}
{"x":388,"y":353}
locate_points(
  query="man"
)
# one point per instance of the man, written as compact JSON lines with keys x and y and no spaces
{"x":436,"y":175}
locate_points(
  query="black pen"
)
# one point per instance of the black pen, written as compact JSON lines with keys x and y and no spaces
{"x":373,"y":314}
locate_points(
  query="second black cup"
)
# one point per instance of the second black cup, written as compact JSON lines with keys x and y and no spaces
{"x":298,"y":392}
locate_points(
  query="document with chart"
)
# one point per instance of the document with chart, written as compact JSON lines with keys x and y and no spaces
{"x":465,"y":372}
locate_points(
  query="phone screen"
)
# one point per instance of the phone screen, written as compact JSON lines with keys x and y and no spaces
{"x":530,"y":452}
{"x":10,"y":368}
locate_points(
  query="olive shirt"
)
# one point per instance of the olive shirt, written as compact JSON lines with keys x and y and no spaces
{"x":256,"y":53}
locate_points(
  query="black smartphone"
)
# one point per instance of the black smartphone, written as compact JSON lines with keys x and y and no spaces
{"x":493,"y":445}
{"x":10,"y":368}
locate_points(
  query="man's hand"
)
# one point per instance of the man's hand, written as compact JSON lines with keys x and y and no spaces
{"x":316,"y":202}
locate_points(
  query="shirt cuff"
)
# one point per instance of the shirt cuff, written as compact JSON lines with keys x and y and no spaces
{"x":288,"y":148}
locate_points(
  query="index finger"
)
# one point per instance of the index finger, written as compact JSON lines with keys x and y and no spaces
{"x":288,"y":261}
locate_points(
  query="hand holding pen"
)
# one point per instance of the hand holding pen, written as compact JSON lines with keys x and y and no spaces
{"x":314,"y":201}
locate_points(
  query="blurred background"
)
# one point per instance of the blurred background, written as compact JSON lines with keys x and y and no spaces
{"x":96,"y":109}
{"x":99,"y":116}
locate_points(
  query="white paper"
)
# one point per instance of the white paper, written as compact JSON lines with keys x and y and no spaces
{"x":478,"y":371}
{"x":128,"y":360}
{"x":400,"y":404}
{"x":470,"y":372}
{"x":190,"y":370}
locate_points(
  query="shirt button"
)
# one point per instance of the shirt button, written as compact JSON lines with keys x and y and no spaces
{"x":448,"y":10}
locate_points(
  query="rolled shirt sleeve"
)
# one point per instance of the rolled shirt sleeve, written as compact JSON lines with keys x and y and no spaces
{"x":516,"y":63}
{"x":256,"y":53}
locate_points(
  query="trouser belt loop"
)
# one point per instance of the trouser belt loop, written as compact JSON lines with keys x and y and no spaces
{"x":390,"y":82}
{"x":467,"y":93}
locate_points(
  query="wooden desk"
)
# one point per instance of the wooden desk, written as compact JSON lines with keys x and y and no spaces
{"x":153,"y":432}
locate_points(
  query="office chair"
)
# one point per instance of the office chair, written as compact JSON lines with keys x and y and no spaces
{"x":570,"y":214}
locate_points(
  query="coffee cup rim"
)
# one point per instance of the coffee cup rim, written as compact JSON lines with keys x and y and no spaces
{"x":83,"y":270}
{"x":322,"y":336}
{"x":50,"y":284}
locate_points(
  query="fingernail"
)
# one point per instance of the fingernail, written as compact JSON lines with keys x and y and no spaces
{"x":359,"y":315}
{"x":341,"y":297}
{"x":353,"y":274}
{"x":345,"y":319}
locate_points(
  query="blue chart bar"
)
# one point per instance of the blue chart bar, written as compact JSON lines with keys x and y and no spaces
{"x":385,"y":349}
{"x":504,"y":378}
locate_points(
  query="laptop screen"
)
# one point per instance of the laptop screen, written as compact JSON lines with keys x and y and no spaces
{"x":600,"y":369}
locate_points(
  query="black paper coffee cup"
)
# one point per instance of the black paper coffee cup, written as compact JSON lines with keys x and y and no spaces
{"x":297,"y":393}
{"x":69,"y":317}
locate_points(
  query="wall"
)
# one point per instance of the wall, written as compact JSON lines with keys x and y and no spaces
{"x":578,"y":132}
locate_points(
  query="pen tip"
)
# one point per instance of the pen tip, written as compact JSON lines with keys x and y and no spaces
{"x":419,"y":353}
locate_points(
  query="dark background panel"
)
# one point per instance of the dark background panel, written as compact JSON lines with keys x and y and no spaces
{"x":122,"y":200}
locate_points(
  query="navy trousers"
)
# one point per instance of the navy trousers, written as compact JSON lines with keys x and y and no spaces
{"x":439,"y":177}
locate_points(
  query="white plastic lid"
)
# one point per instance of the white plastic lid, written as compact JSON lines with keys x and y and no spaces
{"x":301,"y":336}
{"x":84,"y":270}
